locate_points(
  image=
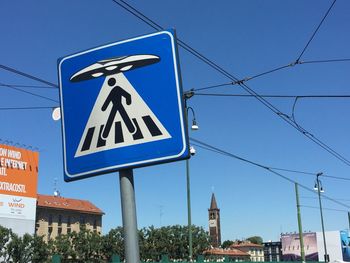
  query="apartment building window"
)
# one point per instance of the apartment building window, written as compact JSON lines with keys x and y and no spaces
{"x":68,"y":224}
{"x":50,"y":232}
{"x":95,"y":225}
{"x":50,"y":220}
{"x":59,"y":220}
{"x":82,"y":221}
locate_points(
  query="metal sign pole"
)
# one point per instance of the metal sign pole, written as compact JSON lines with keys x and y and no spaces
{"x":127,"y":194}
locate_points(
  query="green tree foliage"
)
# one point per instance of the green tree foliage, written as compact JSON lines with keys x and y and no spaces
{"x":41,"y":250}
{"x":226,"y":244}
{"x":62,"y":246}
{"x":19,"y":249}
{"x":113,"y":243}
{"x":255,"y":240}
{"x":5,"y":235}
{"x":172,"y":241}
{"x":89,"y":247}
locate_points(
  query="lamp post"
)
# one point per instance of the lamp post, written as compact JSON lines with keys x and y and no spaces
{"x":192,"y":151}
{"x":319,"y":188}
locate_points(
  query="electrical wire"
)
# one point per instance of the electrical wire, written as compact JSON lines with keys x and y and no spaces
{"x":235,"y":80}
{"x":325,"y":61}
{"x":209,"y":147}
{"x":314,"y":197}
{"x":275,"y":70}
{"x":28,"y":108}
{"x":324,"y":208}
{"x":28,"y":86}
{"x":28,"y":92}
{"x":318,"y":27}
{"x":273,"y":96}
{"x":336,"y":177}
{"x":27,"y":75}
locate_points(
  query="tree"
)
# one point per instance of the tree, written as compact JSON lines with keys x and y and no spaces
{"x":41,"y":249}
{"x":226,"y":244}
{"x":171,"y":240}
{"x":5,"y":235}
{"x":113,"y":243}
{"x":87,"y":246}
{"x":62,"y":245}
{"x":19,"y":249}
{"x":255,"y":240}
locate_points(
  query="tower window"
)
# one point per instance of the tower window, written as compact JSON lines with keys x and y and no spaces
{"x":212,"y":215}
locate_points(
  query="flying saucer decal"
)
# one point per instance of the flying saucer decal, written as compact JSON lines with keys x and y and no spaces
{"x":119,"y":117}
{"x":114,"y":66}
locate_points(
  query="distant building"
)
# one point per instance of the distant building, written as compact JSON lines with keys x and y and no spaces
{"x":337,"y":242}
{"x":272,"y":251}
{"x":255,"y":251}
{"x":57,"y":215}
{"x":231,"y":254}
{"x":291,"y":247}
{"x":214,"y":223}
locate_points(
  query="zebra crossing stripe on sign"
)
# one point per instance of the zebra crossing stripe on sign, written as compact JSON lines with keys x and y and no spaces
{"x":119,"y":118}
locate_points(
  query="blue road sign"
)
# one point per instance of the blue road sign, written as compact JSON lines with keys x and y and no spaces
{"x":121,"y":106}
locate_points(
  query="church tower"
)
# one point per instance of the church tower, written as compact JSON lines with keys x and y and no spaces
{"x":214,"y":223}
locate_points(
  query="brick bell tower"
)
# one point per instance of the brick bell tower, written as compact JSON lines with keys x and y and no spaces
{"x":214,"y":223}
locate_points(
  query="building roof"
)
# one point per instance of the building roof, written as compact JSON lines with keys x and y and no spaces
{"x":213,"y":204}
{"x":246,"y":245}
{"x":58,"y":202}
{"x":226,"y":252}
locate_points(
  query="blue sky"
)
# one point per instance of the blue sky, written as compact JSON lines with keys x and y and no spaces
{"x":245,"y":38}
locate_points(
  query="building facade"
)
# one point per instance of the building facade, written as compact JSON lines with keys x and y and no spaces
{"x":272,"y":251}
{"x":57,"y":215}
{"x":230,"y":254}
{"x":255,"y":251}
{"x":214,"y":223}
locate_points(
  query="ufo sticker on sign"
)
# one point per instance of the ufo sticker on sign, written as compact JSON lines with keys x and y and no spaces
{"x":117,"y":114}
{"x":122,"y":106}
{"x":114,"y":66}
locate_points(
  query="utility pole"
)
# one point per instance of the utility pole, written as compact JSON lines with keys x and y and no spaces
{"x":322,"y":224}
{"x":302,"y":252}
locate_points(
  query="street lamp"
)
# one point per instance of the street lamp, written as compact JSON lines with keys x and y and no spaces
{"x":318,"y":187}
{"x":194,"y":127}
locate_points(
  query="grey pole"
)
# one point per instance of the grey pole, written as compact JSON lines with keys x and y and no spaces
{"x":188,"y":187}
{"x":190,"y":253}
{"x":127,"y":196}
{"x":322,"y":224}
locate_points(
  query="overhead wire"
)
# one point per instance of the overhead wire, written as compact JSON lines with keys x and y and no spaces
{"x":28,"y":108}
{"x":273,"y":96}
{"x":248,"y":78}
{"x":325,"y":208}
{"x":316,"y":30}
{"x":28,"y":92}
{"x":18,"y":72}
{"x":209,"y":147}
{"x":235,"y":80}
{"x":28,"y":86}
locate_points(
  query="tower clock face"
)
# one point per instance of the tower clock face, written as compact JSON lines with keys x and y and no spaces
{"x":212,"y":223}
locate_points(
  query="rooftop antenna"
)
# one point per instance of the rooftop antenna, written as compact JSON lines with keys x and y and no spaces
{"x":56,"y":193}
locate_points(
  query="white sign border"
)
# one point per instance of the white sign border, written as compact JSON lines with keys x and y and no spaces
{"x":139,"y":163}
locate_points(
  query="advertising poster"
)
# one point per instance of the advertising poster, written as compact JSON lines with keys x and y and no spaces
{"x":18,"y":188}
{"x":291,"y":247}
{"x":345,"y":245}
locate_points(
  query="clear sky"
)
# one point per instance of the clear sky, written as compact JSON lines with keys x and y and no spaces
{"x":245,"y":38}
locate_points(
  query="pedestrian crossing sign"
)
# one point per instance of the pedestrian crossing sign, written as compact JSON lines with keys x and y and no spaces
{"x":122,"y":106}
